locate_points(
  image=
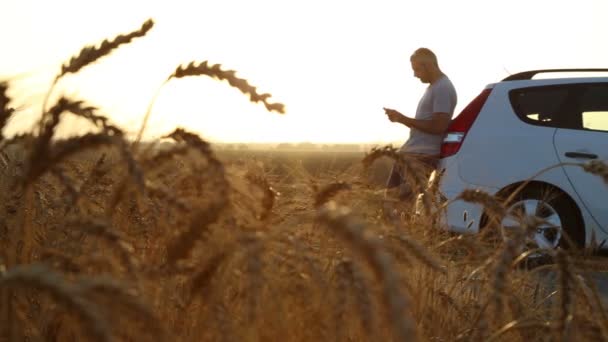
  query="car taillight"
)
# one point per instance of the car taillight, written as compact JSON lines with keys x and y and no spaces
{"x":459,"y":127}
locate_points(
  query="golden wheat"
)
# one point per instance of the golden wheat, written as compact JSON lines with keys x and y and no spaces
{"x":119,"y":295}
{"x":226,"y":276}
{"x":598,"y":168}
{"x":565,"y":297}
{"x":43,"y":279}
{"x":396,"y":304}
{"x":183,"y":244}
{"x":269,"y":194}
{"x":5,"y":111}
{"x":323,"y":195}
{"x":102,"y":229}
{"x":215,"y":71}
{"x":419,"y":252}
{"x":92,"y":53}
{"x":200,"y":281}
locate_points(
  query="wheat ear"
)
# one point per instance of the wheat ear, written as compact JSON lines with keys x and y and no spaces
{"x":565,"y":295}
{"x":519,"y":324}
{"x":41,"y":278}
{"x":201,"y":280}
{"x":120,"y":295}
{"x":419,"y":252}
{"x":92,"y":53}
{"x":379,"y":152}
{"x":493,"y":207}
{"x":103,"y":230}
{"x":327,"y":192}
{"x":353,"y":232}
{"x":5,"y":110}
{"x":215,"y":71}
{"x":269,"y":194}
{"x":596,"y":167}
{"x":183,"y":245}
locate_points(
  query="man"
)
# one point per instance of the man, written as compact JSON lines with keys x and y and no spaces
{"x":427,"y":128}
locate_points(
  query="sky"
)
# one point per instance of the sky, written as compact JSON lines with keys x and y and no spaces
{"x":333,"y":63}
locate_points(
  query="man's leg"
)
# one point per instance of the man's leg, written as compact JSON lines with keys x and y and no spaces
{"x":401,"y":192}
{"x":397,"y":193}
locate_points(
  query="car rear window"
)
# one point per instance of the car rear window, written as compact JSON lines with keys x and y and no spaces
{"x":582,"y":106}
{"x":539,"y":105}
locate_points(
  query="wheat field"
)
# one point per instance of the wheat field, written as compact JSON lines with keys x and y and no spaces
{"x":109,"y":239}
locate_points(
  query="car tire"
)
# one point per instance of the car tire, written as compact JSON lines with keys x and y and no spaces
{"x":554,"y":206}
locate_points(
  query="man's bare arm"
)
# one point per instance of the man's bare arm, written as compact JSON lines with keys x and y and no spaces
{"x":438,"y":124}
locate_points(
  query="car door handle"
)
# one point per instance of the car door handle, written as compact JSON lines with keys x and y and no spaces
{"x":581,"y":155}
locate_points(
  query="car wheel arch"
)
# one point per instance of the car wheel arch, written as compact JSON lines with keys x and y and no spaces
{"x":503,"y":193}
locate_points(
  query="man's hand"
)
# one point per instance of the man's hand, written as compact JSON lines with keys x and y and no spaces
{"x":438,"y":123}
{"x":393,"y":115}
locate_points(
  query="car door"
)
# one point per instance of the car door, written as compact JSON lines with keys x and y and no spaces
{"x":583,"y":137}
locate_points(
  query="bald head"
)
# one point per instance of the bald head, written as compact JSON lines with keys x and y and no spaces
{"x":426,"y":56}
{"x":425,"y":66}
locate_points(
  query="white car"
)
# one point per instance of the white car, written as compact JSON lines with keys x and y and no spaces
{"x":518,"y":127}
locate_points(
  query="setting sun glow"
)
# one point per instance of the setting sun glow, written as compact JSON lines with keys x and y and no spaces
{"x":334,"y":64}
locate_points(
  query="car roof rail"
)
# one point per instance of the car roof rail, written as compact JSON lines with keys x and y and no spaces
{"x":527,"y":75}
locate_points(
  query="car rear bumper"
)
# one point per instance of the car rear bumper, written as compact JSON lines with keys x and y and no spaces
{"x":457,"y":215}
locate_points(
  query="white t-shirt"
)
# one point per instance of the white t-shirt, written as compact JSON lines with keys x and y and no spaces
{"x":439,"y":97}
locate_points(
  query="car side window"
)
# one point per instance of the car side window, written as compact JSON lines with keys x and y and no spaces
{"x":540,"y":105}
{"x":594,"y":107}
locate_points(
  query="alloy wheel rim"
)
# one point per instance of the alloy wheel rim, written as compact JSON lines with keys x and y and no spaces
{"x":548,"y":234}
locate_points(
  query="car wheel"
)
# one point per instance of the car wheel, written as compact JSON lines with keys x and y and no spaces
{"x":561,"y":225}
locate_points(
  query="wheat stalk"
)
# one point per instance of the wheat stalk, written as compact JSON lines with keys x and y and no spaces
{"x":494,"y":208}
{"x":154,"y":190}
{"x":204,"y":148}
{"x":103,"y":230}
{"x":598,"y":168}
{"x":121,"y":296}
{"x":62,"y":260}
{"x":183,"y":245}
{"x":223,"y":322}
{"x":68,"y":183}
{"x":302,"y":252}
{"x":215,"y":71}
{"x":519,"y":324}
{"x":506,"y":256}
{"x":79,"y":108}
{"x":254,"y":248}
{"x":419,"y":252}
{"x":348,"y":229}
{"x":92,"y":53}
{"x":341,"y":300}
{"x":353,"y":280}
{"x":24,"y":138}
{"x":269,"y":194}
{"x":195,"y":142}
{"x":43,"y":279}
{"x":5,"y":110}
{"x":44,"y":158}
{"x":96,"y":173}
{"x":200,"y":282}
{"x":565,"y":295}
{"x":410,"y":167}
{"x":323,"y":195}
{"x":164,"y":156}
{"x":48,"y":123}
